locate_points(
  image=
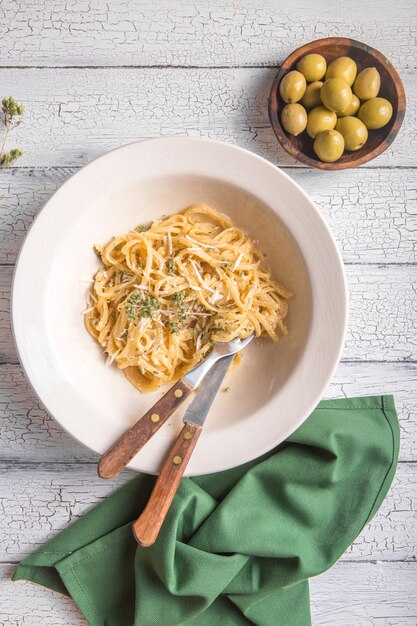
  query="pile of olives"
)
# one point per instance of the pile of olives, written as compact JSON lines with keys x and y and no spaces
{"x":342,"y":108}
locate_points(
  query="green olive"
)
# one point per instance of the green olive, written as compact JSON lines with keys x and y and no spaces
{"x":312,"y":66}
{"x":320,"y":119}
{"x":344,"y":68}
{"x":292,"y":87}
{"x":354,"y":132}
{"x":367,"y":84}
{"x":311,"y":97}
{"x":353,"y":107}
{"x":294,"y":118}
{"x":329,"y":146}
{"x":375,"y":113}
{"x":336,"y":95}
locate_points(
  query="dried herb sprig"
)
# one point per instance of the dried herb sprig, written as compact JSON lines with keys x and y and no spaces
{"x":174,"y":327}
{"x":178,"y":300}
{"x":170,"y":266}
{"x":12,"y":114}
{"x":142,"y":228}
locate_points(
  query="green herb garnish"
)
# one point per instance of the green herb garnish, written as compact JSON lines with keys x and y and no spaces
{"x":170,"y":266}
{"x":178,"y":300}
{"x":174,"y":328}
{"x":178,"y":297}
{"x":12,"y":113}
{"x":226,"y":389}
{"x":143,"y":227}
{"x":140,"y":305}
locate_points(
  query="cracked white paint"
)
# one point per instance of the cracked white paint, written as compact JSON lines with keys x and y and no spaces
{"x":75,"y":115}
{"x":35,"y":505}
{"x":372,"y":213}
{"x":26,"y":430}
{"x":25,"y":604}
{"x":383,"y":321}
{"x":365,"y":594}
{"x":189,"y":32}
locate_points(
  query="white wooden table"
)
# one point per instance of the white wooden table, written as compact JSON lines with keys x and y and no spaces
{"x":95,"y":74}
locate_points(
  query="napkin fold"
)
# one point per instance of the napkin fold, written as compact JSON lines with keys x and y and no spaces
{"x":237,"y":547}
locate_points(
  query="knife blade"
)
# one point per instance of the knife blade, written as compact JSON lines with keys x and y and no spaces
{"x":199,"y":408}
{"x":132,"y":441}
{"x":148,"y":525}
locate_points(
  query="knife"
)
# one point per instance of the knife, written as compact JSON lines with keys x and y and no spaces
{"x":148,"y":525}
{"x":133,"y":440}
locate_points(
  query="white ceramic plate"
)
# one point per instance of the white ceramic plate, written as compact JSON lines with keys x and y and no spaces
{"x":275,"y":387}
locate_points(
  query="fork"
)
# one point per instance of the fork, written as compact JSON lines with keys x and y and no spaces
{"x":133,"y":440}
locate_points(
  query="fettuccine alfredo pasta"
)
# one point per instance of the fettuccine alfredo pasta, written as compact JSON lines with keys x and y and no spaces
{"x":167,"y":291}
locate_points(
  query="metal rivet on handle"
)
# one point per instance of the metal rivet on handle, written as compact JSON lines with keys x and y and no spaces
{"x":155,"y":417}
{"x":177,"y":460}
{"x":178,"y":393}
{"x":188,"y":435}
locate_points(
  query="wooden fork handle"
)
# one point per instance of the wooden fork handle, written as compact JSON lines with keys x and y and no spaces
{"x":148,"y":525}
{"x":129,"y":444}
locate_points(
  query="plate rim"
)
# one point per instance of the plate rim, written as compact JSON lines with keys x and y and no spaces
{"x":277,"y":171}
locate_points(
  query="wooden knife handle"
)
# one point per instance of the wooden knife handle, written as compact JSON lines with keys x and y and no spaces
{"x":148,"y":525}
{"x":129,"y":444}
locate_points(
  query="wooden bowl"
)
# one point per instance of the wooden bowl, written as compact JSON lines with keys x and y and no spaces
{"x":301,"y":147}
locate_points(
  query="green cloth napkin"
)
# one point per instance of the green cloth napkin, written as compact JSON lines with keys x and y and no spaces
{"x":239,"y":546}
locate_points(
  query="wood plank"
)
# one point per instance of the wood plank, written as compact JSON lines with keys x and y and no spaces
{"x":24,"y":194}
{"x":382,"y":326}
{"x":383,"y":302}
{"x":26,"y":604}
{"x":74,"y":115}
{"x":367,"y":379}
{"x":36,"y":501}
{"x":366,"y":594}
{"x":373,"y":213}
{"x":27,"y":431}
{"x":29,"y":434}
{"x":369,"y":594}
{"x":241,"y":32}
